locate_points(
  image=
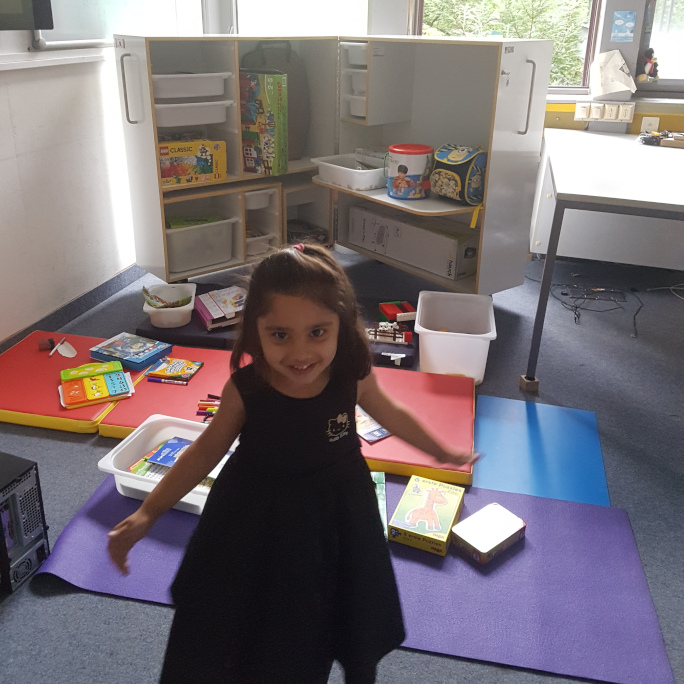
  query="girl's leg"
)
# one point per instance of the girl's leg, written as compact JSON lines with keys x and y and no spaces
{"x":360,"y":674}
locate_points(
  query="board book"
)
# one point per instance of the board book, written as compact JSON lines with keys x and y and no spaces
{"x":94,"y":383}
{"x":132,"y":351}
{"x":425,"y":514}
{"x":177,"y":370}
{"x":220,"y":308}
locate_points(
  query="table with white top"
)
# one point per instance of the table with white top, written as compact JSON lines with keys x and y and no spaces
{"x":603,"y":172}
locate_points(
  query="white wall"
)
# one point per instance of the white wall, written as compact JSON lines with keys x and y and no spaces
{"x":64,"y":206}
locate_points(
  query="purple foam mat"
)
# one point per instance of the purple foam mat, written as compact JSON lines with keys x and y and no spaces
{"x":571,"y":598}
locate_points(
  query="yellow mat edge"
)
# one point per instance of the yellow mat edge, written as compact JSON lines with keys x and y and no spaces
{"x":50,"y":422}
{"x":115,"y":431}
{"x":451,"y":476}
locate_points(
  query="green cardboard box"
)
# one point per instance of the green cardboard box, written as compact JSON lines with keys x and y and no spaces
{"x":263,"y":121}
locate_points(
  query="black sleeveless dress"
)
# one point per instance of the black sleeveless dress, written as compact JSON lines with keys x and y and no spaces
{"x":288,"y":568}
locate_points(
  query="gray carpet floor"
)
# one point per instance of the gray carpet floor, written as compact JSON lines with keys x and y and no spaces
{"x":53,"y":632}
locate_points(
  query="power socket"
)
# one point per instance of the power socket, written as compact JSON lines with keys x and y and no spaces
{"x":649,"y":124}
{"x":610,"y":112}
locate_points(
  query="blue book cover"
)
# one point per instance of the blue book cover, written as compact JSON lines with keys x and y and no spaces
{"x":168,"y":453}
{"x":134,"y":352}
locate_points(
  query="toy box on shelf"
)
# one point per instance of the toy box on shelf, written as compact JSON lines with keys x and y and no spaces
{"x":191,"y":162}
{"x":425,"y":514}
{"x":263,"y":120}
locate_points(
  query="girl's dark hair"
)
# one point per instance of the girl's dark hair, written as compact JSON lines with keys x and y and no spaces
{"x":305,"y":271}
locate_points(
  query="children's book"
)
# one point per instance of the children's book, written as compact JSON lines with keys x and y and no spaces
{"x":368,"y":428}
{"x":177,"y":370}
{"x":94,"y":383}
{"x":156,"y":463}
{"x":221,"y":308}
{"x":132,"y":351}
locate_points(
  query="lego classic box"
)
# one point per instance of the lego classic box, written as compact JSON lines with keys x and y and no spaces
{"x":425,"y":514}
{"x":263,"y":120}
{"x":191,"y":162}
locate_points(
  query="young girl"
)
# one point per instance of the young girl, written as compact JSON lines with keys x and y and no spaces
{"x":288,"y":568}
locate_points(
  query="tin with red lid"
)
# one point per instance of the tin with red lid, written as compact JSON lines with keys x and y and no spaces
{"x":407,"y":168}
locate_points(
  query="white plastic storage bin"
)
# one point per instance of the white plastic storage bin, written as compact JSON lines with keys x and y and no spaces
{"x":357,"y":53}
{"x":343,"y":170}
{"x":148,"y":435}
{"x":357,"y":105}
{"x":189,"y":85}
{"x":195,"y":247}
{"x":358,"y":79}
{"x":454,"y":333}
{"x":174,"y":317}
{"x":191,"y":113}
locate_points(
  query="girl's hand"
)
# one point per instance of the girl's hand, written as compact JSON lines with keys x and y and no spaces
{"x":460,"y":457}
{"x":125,"y":535}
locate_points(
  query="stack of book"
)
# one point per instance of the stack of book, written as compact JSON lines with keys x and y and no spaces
{"x":220,"y":308}
{"x":132,"y":351}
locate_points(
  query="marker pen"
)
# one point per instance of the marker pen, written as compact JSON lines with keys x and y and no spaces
{"x":168,"y":382}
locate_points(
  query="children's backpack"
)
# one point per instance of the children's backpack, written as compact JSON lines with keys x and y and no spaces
{"x":458,"y":173}
{"x":278,"y":55}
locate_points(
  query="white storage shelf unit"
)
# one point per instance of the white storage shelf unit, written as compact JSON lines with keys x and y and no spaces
{"x":412,"y":90}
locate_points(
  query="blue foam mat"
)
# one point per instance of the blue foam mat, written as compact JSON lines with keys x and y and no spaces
{"x":537,"y":449}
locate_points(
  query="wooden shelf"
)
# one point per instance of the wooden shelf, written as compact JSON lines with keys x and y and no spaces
{"x":430,"y":206}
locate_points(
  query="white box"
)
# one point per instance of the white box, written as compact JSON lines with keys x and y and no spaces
{"x":342,"y":170}
{"x":189,"y":85}
{"x":454,"y":331}
{"x":442,"y":248}
{"x":148,"y":435}
{"x":176,"y":316}
{"x":195,"y":247}
{"x":191,"y":113}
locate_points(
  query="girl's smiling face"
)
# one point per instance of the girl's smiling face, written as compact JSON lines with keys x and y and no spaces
{"x":298,"y":339}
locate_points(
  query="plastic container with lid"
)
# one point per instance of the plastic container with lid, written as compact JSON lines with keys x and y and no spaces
{"x":407,"y":168}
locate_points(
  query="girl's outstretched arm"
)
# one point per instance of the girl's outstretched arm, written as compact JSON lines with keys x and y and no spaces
{"x":192,"y":466}
{"x":402,"y":423}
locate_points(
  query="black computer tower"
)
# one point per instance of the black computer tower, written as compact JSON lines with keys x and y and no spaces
{"x":24,"y":541}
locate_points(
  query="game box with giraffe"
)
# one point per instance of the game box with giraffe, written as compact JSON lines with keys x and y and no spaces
{"x":426,"y":513}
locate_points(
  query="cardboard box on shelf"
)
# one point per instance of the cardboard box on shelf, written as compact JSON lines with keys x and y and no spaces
{"x":437,"y":245}
{"x":263,"y":121}
{"x":426,"y":513}
{"x":186,"y":162}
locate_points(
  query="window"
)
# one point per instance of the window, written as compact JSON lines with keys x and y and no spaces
{"x":571,"y":24}
{"x":664,"y":34}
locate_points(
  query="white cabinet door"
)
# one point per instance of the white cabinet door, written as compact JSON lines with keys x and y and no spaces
{"x":141,"y":153}
{"x":513,"y":163}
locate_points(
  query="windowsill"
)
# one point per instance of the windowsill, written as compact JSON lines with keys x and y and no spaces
{"x":29,"y":60}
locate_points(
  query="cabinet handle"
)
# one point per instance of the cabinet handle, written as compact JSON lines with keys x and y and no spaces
{"x":529,"y":101}
{"x":125,"y":89}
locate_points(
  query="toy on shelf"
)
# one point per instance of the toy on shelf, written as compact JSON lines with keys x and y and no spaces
{"x":647,"y":67}
{"x":392,"y":333}
{"x":94,"y":383}
{"x":398,"y":312}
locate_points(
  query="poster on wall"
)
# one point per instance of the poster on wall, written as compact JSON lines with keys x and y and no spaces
{"x":623,"y":26}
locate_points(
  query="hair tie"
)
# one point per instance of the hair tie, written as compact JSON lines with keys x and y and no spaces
{"x":299,"y":247}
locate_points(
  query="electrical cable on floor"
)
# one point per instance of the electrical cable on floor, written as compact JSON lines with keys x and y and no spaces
{"x":584,"y":295}
{"x":671,"y":288}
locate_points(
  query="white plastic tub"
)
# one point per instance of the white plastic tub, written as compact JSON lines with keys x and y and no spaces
{"x":189,"y":85}
{"x":357,"y":105}
{"x":357,"y":53}
{"x":191,"y":113}
{"x":258,"y":199}
{"x":258,"y":244}
{"x":177,"y":316}
{"x":342,"y":170}
{"x":195,"y":247}
{"x":454,"y":333}
{"x":148,"y":435}
{"x":358,"y":80}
